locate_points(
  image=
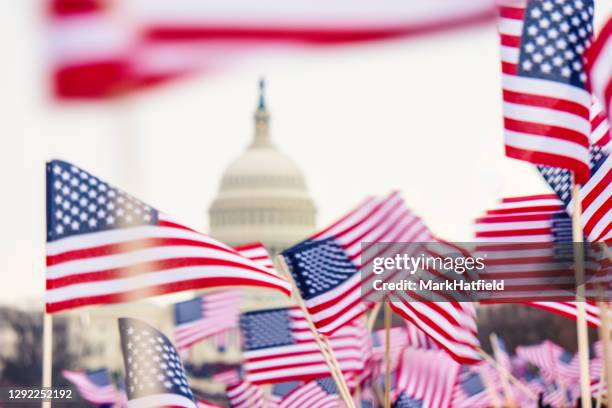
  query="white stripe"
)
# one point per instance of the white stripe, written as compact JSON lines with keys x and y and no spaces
{"x":157,"y":400}
{"x":509,"y":54}
{"x":510,"y":26}
{"x":153,"y":279}
{"x":511,"y":226}
{"x":547,"y":145}
{"x":535,"y":114}
{"x":548,"y":88}
{"x":87,"y":37}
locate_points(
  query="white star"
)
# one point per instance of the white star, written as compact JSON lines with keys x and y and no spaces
{"x":538,"y":58}
{"x":547,"y":6}
{"x":66,"y":205}
{"x":568,"y":10}
{"x":575,"y":21}
{"x":83,"y":216}
{"x":566,"y":72}
{"x":83,"y":188}
{"x":549,"y":50}
{"x":546,"y":68}
{"x":74,"y":182}
{"x":59,"y":229}
{"x":83,"y":201}
{"x":92,"y":207}
{"x":67,"y":219}
{"x":74,"y":196}
{"x":536,"y":13}
{"x":583,"y":77}
{"x":553,"y":34}
{"x":92,"y":193}
{"x":66,"y":176}
{"x":540,"y":40}
{"x":75,"y":225}
{"x":110,"y":206}
{"x":57,"y":169}
{"x":582,"y":32}
{"x":561,"y":44}
{"x":110,"y":220}
{"x":529,"y":47}
{"x":569,"y":55}
{"x":579,"y":4}
{"x":577,"y":65}
{"x":532,"y":30}
{"x":585,"y":16}
{"x":564,"y":26}
{"x":579,"y":49}
{"x":93,"y":222}
{"x":544,"y":23}
{"x":556,"y":16}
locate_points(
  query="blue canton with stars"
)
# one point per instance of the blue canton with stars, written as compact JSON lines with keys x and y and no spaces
{"x":560,"y":180}
{"x":79,"y":203}
{"x":328,"y":385}
{"x":555,"y":35}
{"x":404,"y":401}
{"x":266,"y":328}
{"x":188,"y":311}
{"x":318,"y":266}
{"x":152,"y":364}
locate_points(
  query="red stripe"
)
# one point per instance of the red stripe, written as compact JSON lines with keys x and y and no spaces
{"x":514,"y":232}
{"x":597,"y":190}
{"x":515,"y":13}
{"x":508,"y":68}
{"x":581,"y":170}
{"x":201,"y":283}
{"x":93,"y":80}
{"x":128,"y":246}
{"x":547,"y":102}
{"x":533,"y":197}
{"x":510,"y":40}
{"x":312,"y":35}
{"x":69,"y":7}
{"x":144,"y":268}
{"x":513,"y":218}
{"x":549,"y":131}
{"x":511,"y":211}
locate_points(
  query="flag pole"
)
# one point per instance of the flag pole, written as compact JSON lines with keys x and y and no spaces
{"x":324,"y":347}
{"x":504,"y":375}
{"x":581,"y":321}
{"x":47,"y":363}
{"x":604,"y":335}
{"x":387,"y":354}
{"x":373,"y":316}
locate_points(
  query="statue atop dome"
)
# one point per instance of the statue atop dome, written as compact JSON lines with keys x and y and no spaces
{"x":263,"y":195}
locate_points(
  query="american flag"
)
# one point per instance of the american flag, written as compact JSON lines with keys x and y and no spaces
{"x":257,"y":253}
{"x":227,"y":377}
{"x":450,"y":324}
{"x":243,"y":394}
{"x":101,"y":49}
{"x":545,"y":356}
{"x":425,"y":378}
{"x":206,"y":404}
{"x":94,"y":386}
{"x":599,"y":61}
{"x":104,"y":246}
{"x":278,"y":347}
{"x":205,"y":316}
{"x":524,"y":223}
{"x":470,"y":391}
{"x":154,"y":372}
{"x":320,"y":393}
{"x":546,"y":104}
{"x":326,"y":265}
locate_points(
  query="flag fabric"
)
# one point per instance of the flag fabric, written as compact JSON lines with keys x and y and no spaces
{"x":326,"y":265}
{"x":257,"y":253}
{"x":279,"y":347}
{"x":227,"y":377}
{"x":470,"y":391}
{"x":320,"y":393}
{"x":94,"y":386}
{"x":449,"y":323}
{"x":243,"y":394}
{"x":425,"y":378}
{"x":154,"y":372}
{"x":527,"y":267}
{"x":545,"y":356}
{"x":104,"y":246}
{"x":502,"y":356}
{"x":95,"y":53}
{"x":599,"y":66}
{"x":205,"y":316}
{"x":546,"y":103}
{"x":206,"y":404}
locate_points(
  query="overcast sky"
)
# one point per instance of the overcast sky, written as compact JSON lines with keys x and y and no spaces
{"x":421,"y":116}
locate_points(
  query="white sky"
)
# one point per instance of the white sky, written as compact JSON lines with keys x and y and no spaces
{"x":420,"y":116}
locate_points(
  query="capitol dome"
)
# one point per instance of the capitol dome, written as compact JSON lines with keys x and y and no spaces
{"x":263,"y":195}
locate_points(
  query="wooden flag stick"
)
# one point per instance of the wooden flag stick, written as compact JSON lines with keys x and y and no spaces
{"x":387,"y":355}
{"x":581,"y":321}
{"x":604,"y":336}
{"x":373,"y":316}
{"x":326,"y":351}
{"x":504,"y":375}
{"x":47,"y":371}
{"x":511,"y":377}
{"x":495,"y":401}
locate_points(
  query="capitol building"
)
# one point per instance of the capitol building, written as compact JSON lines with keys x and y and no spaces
{"x":263,"y":198}
{"x":263,"y":195}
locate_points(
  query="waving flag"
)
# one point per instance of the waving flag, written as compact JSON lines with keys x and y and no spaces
{"x":205,"y":316}
{"x":96,"y":54}
{"x":546,"y":104}
{"x":242,"y":394}
{"x":206,"y":404}
{"x":104,"y":246}
{"x":278,"y":347}
{"x":154,"y":372}
{"x":321,"y":393}
{"x":425,"y":378}
{"x":326,"y":265}
{"x":470,"y":391}
{"x":545,"y":356}
{"x":599,"y":67}
{"x":94,"y":386}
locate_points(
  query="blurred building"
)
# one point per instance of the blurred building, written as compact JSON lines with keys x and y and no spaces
{"x":263,"y":195}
